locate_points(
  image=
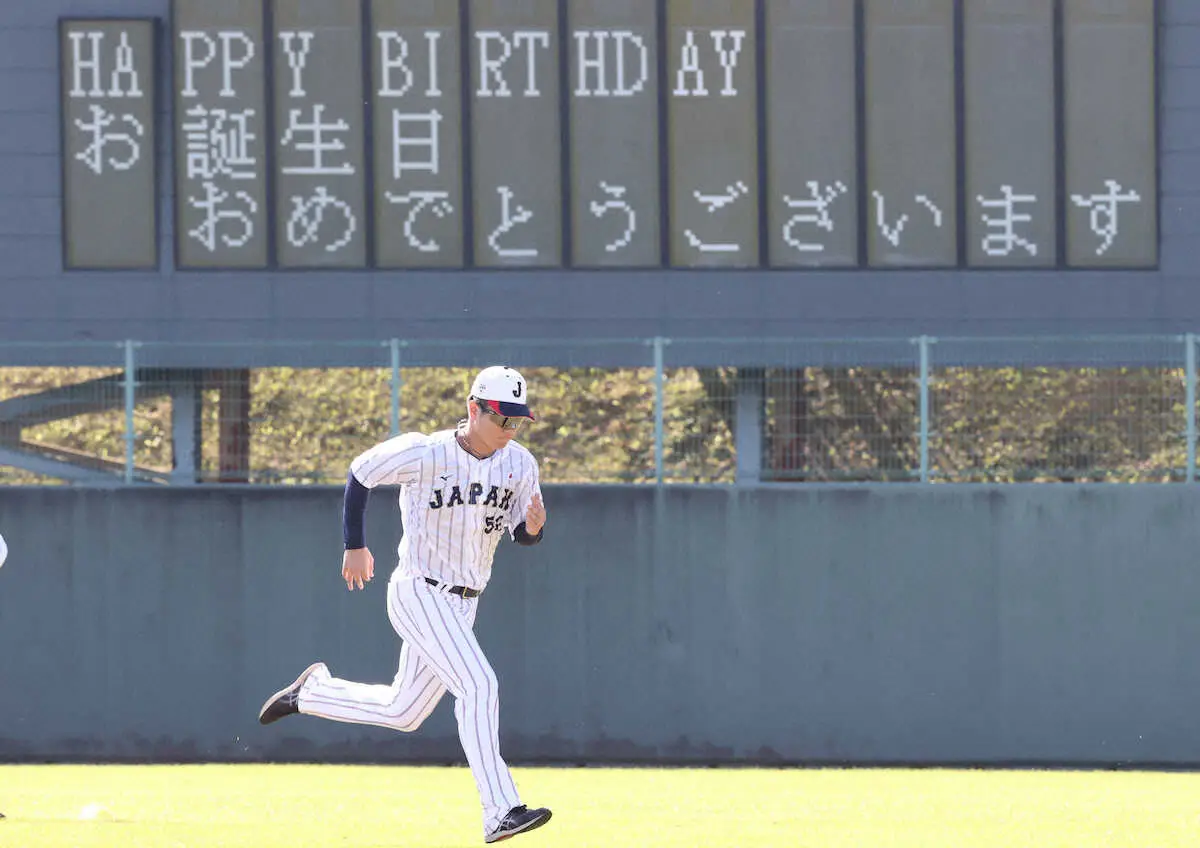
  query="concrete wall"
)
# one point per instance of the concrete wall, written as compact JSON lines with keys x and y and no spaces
{"x":1035,"y":624}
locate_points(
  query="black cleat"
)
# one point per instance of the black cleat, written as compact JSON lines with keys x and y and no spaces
{"x":518,"y":820}
{"x":286,"y":701}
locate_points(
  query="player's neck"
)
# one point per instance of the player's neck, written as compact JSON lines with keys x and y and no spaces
{"x":469,"y":442}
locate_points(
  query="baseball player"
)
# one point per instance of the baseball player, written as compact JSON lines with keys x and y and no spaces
{"x":460,"y":490}
{"x":3,"y":556}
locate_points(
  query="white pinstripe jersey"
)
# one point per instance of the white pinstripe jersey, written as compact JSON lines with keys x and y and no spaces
{"x":455,"y":506}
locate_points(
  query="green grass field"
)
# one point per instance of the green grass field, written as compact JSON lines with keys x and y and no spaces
{"x":253,"y":806}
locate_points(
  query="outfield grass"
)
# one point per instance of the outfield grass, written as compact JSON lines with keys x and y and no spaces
{"x":323,"y":806}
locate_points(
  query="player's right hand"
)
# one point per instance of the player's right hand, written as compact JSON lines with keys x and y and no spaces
{"x":358,"y":566}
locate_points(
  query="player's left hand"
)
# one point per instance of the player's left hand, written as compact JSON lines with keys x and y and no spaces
{"x":535,"y":516}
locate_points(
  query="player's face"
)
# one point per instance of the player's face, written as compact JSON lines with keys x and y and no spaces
{"x":496,"y":430}
{"x":508,"y":424}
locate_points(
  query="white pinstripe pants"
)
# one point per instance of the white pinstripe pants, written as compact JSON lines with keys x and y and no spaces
{"x":440,"y":653}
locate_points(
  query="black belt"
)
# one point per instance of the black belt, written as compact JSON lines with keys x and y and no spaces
{"x":461,"y":591}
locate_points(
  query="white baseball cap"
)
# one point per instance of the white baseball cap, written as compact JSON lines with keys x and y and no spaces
{"x":503,"y":390}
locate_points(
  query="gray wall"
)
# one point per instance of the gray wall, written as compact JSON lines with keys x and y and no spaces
{"x":1035,"y":624}
{"x":40,"y":302}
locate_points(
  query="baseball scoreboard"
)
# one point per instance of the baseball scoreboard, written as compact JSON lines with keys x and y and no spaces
{"x":772,"y":134}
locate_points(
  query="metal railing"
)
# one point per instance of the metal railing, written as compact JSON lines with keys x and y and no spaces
{"x":1100,"y":408}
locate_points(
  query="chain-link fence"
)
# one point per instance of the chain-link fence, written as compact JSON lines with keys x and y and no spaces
{"x":999,"y":414}
{"x":613,"y":411}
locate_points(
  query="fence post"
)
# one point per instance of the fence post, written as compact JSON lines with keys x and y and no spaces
{"x":659,"y":403}
{"x":394,"y":344}
{"x":748,"y":415}
{"x":1189,"y":358}
{"x":130,"y":398}
{"x":923,"y":382}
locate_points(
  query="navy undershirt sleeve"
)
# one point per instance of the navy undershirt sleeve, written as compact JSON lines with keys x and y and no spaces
{"x":354,"y":511}
{"x":523,"y":537}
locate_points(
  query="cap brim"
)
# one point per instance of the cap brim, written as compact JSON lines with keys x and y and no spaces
{"x":510,"y":410}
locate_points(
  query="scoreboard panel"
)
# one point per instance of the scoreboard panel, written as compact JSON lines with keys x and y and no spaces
{"x":812,"y":133}
{"x":108,"y":72}
{"x":516,"y":136}
{"x":1011,"y":174}
{"x":911,"y":136}
{"x":416,"y":104}
{"x":614,"y":96}
{"x":220,"y":114}
{"x":320,"y":189}
{"x":712,"y":122}
{"x":768,"y":134}
{"x":1109,"y":128}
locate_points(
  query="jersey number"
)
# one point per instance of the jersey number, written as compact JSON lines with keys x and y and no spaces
{"x":493,"y":524}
